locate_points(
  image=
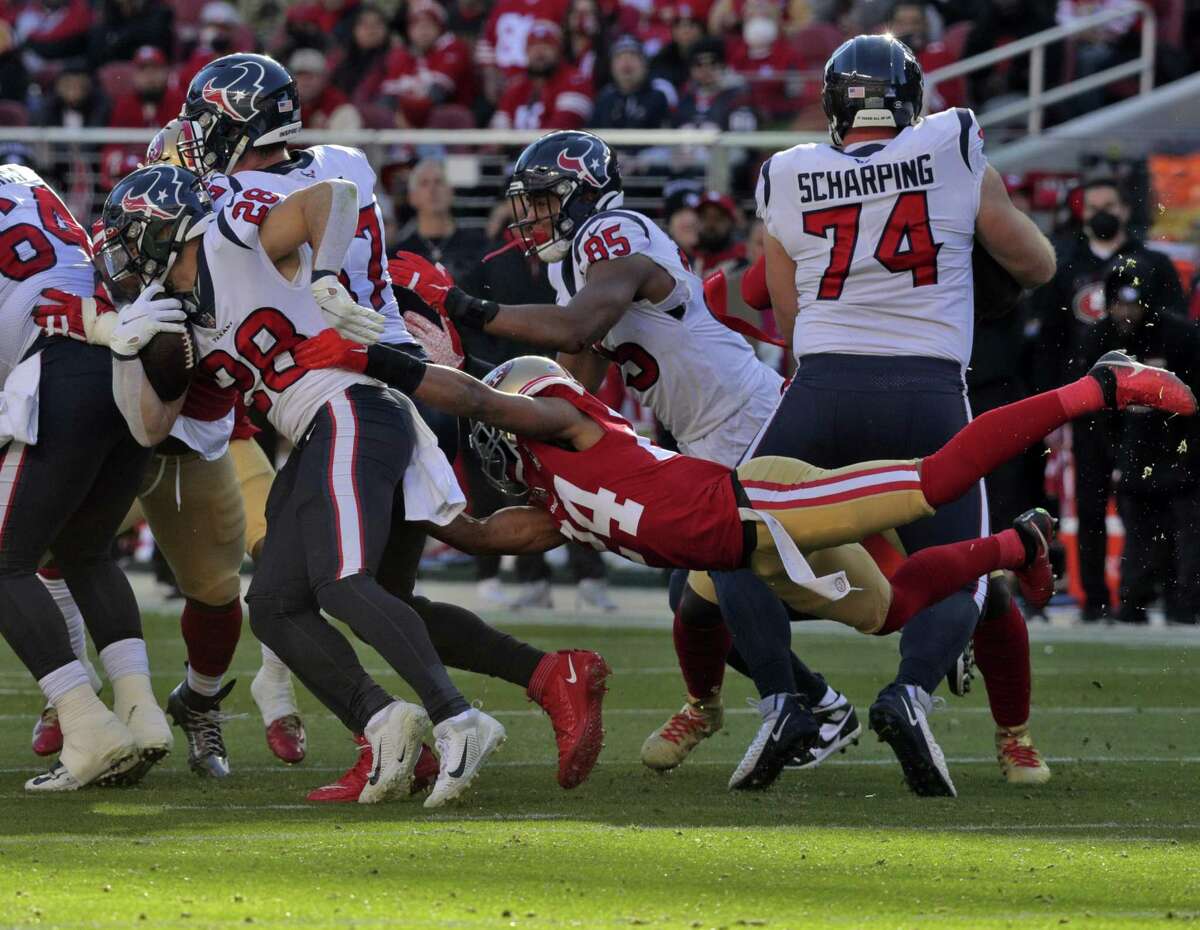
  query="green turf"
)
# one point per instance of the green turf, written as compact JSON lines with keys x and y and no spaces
{"x":1110,"y":842}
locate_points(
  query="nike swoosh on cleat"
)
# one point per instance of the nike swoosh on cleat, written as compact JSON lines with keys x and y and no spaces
{"x":572,"y":678}
{"x":912,"y":718}
{"x":462,"y":763}
{"x":374,"y":779}
{"x":779,"y":727}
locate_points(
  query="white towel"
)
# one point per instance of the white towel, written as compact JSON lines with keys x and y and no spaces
{"x":431,"y":490}
{"x":831,"y":587}
{"x":19,"y":402}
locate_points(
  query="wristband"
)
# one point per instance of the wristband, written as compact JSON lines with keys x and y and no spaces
{"x":470,"y":311}
{"x":393,"y":367}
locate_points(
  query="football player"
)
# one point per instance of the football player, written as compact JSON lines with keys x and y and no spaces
{"x":68,"y":472}
{"x":592,"y":479}
{"x":252,"y":290}
{"x":869,"y":244}
{"x":627,"y":296}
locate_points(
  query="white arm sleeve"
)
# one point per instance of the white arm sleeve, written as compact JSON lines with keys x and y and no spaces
{"x":340,"y":228}
{"x":148,"y":417}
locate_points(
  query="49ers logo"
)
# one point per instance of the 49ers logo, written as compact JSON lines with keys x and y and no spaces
{"x":590,"y":171}
{"x":235,"y":89}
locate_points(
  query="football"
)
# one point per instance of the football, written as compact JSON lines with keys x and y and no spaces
{"x":169,"y":360}
{"x":996,"y":291}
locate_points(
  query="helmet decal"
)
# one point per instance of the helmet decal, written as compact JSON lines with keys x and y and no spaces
{"x":581,"y":166}
{"x":152,"y":190}
{"x":231,"y":86}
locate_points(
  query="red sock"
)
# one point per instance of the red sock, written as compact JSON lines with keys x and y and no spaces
{"x":50,"y":571}
{"x":1002,"y":654}
{"x":993,"y":438}
{"x":933,"y":574}
{"x":702,"y":651}
{"x":211,"y":635}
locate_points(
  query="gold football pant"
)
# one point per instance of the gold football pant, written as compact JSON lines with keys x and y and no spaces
{"x":254,"y":477}
{"x":827,"y":512}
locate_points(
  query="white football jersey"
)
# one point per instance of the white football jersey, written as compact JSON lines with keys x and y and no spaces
{"x":882,"y":235}
{"x":41,"y":246}
{"x":365,"y":272}
{"x":250,"y":318}
{"x":696,"y":374}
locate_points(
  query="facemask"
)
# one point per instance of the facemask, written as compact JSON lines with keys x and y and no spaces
{"x":759,"y":31}
{"x":1105,"y":225}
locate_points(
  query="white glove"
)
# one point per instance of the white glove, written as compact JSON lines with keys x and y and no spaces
{"x":439,"y":343}
{"x":145,"y":318}
{"x":352,"y":321}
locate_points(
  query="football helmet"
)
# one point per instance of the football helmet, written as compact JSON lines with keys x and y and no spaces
{"x":871,"y":80}
{"x":497,"y":449}
{"x":577,"y":168}
{"x":237,"y":102}
{"x":146,"y":220}
{"x":164,"y":147}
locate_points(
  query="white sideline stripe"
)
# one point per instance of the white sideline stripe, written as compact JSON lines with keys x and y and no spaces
{"x":803,"y":493}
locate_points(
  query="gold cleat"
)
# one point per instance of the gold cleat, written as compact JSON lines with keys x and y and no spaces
{"x":671,"y":743}
{"x":1020,"y":762}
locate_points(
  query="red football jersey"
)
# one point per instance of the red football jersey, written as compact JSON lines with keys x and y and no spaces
{"x":410,"y":77}
{"x":563,"y":102}
{"x":627,"y":495}
{"x":503,"y":41}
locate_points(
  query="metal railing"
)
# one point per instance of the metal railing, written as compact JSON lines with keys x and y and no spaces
{"x":1033,"y":107}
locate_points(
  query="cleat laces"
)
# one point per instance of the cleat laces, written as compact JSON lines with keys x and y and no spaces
{"x":683,"y":725}
{"x":1021,"y":755}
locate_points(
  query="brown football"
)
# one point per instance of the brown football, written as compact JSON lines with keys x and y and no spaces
{"x":169,"y":360}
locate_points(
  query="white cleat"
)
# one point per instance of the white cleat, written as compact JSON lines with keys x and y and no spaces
{"x":395,"y":741}
{"x":463,"y":743}
{"x":102,"y":754}
{"x":592,"y":594}
{"x":532,"y":594}
{"x":153,"y":737}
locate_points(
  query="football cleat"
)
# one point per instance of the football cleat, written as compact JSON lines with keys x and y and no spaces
{"x":788,"y":730}
{"x":532,"y":594}
{"x":592,"y":594}
{"x":569,"y":686}
{"x":463,"y":742}
{"x":47,"y":734}
{"x":102,"y":752}
{"x":962,"y":672}
{"x":350,"y":785}
{"x":839,"y":728}
{"x":898,"y":717}
{"x":1036,"y":577}
{"x":200,"y":718}
{"x":153,"y":737}
{"x":1126,"y":382}
{"x":287,"y":740}
{"x":673,"y":742}
{"x":1020,"y":762}
{"x":395,"y":744}
{"x":425,"y":772}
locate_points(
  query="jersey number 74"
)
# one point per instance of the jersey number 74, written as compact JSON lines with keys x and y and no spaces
{"x":906,"y":244}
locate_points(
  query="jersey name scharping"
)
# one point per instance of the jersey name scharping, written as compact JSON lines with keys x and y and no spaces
{"x":866,"y":180}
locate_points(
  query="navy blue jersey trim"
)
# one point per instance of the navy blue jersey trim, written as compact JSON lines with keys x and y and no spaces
{"x":766,"y":179}
{"x":227,"y":231}
{"x":300,"y":159}
{"x":568,"y":275}
{"x":206,"y":296}
{"x":964,"y":136}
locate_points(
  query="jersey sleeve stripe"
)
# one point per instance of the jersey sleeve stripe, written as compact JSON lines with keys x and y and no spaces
{"x":964,"y":136}
{"x":766,"y":179}
{"x":227,"y":231}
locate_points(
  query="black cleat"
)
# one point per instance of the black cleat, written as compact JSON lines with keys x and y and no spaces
{"x":785,"y":733}
{"x":898,"y":717}
{"x":200,"y":718}
{"x":962,"y":672}
{"x":838,"y":728}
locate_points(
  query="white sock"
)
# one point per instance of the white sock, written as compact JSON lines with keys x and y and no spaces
{"x":208,"y":685}
{"x":125,"y":657}
{"x":128,"y":692}
{"x":75,"y":629}
{"x":79,"y":709}
{"x":63,"y":679}
{"x":830,"y":697}
{"x":273,"y":667}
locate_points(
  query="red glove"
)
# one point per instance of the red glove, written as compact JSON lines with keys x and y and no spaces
{"x":328,"y":349}
{"x":66,"y":314}
{"x":428,"y":281}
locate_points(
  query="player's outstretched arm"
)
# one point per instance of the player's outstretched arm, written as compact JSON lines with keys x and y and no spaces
{"x":511,"y":531}
{"x":781,"y":284}
{"x":1011,"y":237}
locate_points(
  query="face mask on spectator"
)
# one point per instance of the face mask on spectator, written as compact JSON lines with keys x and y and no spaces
{"x":760,"y":30}
{"x":1105,"y":225}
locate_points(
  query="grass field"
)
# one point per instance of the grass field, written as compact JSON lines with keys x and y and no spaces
{"x":1112,"y":841}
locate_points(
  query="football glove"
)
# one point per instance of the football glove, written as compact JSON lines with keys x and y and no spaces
{"x":439,"y":339}
{"x":65,"y":314}
{"x":139,"y":322}
{"x":355,"y":322}
{"x":329,"y":349}
{"x":431,"y":282}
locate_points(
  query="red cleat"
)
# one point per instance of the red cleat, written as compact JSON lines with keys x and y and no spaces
{"x":347,"y":788}
{"x":569,"y":686}
{"x":1036,"y":529}
{"x":47,"y":734}
{"x":287,"y":740}
{"x":426,"y":771}
{"x":1127,"y":383}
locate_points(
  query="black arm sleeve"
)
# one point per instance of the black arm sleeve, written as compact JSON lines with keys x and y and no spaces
{"x":394,"y":367}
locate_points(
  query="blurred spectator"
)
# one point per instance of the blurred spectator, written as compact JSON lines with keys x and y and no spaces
{"x":718,"y":248}
{"x":1065,"y":310}
{"x":1157,"y":457}
{"x":219,"y":23}
{"x":124,"y":26}
{"x":1096,"y":49}
{"x":433,"y":233}
{"x":768,"y":63}
{"x":683,"y":226}
{"x":502,"y":49}
{"x":630,"y":102}
{"x":710,"y":99}
{"x":909,"y":23}
{"x":551,"y":94}
{"x":75,"y":100}
{"x":155,"y":99}
{"x":435,"y":69}
{"x":323,"y":105}
{"x":587,"y":41}
{"x":731,"y":15}
{"x":998,"y":23}
{"x":318,"y":24}
{"x":687,"y":28}
{"x":360,"y":68}
{"x":467,"y":18}
{"x":14,"y":79}
{"x":52,"y":30}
